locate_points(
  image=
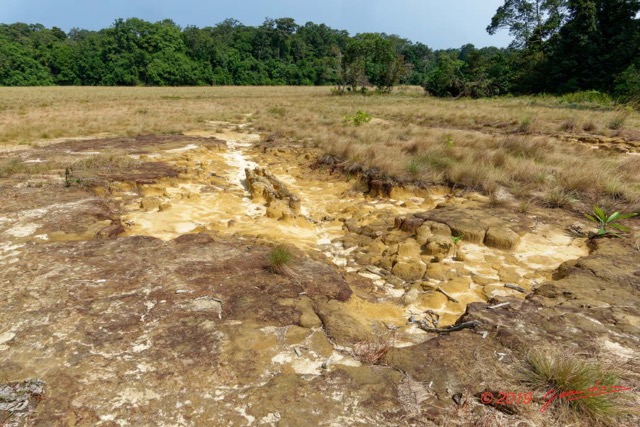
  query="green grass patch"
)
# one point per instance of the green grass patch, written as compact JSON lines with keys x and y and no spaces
{"x":279,"y":259}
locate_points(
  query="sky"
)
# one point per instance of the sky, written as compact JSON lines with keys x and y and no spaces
{"x":439,"y":24}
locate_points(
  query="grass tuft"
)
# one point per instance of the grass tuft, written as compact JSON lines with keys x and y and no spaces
{"x":277,"y":111}
{"x":569,"y":125}
{"x":524,"y":206}
{"x":279,"y":258}
{"x":589,"y":126}
{"x":12,"y":167}
{"x":559,"y":198}
{"x":565,"y":376}
{"x":9,"y":167}
{"x":618,"y":120}
{"x":105,"y":162}
{"x":414,"y":168}
{"x":587,"y":98}
{"x":525,"y":125}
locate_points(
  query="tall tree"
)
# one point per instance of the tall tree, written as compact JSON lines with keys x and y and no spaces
{"x":371,"y":58}
{"x":599,"y":41}
{"x":530,"y":22}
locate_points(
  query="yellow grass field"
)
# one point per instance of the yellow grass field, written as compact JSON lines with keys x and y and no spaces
{"x":537,"y":150}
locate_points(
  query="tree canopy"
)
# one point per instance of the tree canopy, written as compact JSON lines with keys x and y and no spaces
{"x":558,"y":46}
{"x":137,"y":52}
{"x":571,"y":45}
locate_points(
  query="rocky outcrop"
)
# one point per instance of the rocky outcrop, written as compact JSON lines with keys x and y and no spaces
{"x":501,"y":238}
{"x":188,"y":326}
{"x":439,"y":246}
{"x":19,"y":399}
{"x":474,"y":225}
{"x":150,"y":203}
{"x":409,"y":269}
{"x":409,"y":224}
{"x":266,"y":188}
{"x":341,"y":326}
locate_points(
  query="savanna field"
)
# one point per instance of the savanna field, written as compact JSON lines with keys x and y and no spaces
{"x":557,"y":152}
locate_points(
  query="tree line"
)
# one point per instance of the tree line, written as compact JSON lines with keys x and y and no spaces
{"x":559,"y":46}
{"x":573,"y":45}
{"x":137,"y":52}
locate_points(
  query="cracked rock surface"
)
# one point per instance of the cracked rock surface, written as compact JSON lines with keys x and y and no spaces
{"x":135,"y":291}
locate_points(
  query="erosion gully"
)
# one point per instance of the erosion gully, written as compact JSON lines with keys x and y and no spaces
{"x":218,"y":192}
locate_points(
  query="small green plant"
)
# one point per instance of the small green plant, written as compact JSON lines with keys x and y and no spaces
{"x":457,"y":239}
{"x":279,"y":258}
{"x":69,"y":179}
{"x":448,"y":141}
{"x":68,"y":173}
{"x":603,"y":220}
{"x":358,"y":119}
{"x":525,"y":125}
{"x":457,"y":247}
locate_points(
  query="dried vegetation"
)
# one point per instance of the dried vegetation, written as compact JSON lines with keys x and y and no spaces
{"x":517,"y":145}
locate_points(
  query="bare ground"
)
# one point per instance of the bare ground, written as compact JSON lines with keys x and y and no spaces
{"x":130,"y":320}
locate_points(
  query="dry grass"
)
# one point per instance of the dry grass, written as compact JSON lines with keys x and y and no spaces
{"x":475,"y":144}
{"x":373,"y":352}
{"x":13,"y":166}
{"x":105,"y":162}
{"x":568,"y":382}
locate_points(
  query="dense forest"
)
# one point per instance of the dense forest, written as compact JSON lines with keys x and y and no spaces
{"x":558,"y":46}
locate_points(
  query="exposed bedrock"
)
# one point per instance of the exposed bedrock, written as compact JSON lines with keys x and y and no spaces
{"x":266,"y":188}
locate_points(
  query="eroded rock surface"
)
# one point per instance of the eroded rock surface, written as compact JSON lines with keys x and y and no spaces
{"x":137,"y":290}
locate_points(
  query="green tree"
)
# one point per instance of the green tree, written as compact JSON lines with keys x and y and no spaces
{"x":599,"y":41}
{"x":530,"y":22}
{"x":171,"y":68}
{"x":89,"y":67}
{"x":25,"y":54}
{"x":370,"y":58}
{"x":19,"y":68}
{"x":136,"y":52}
{"x":419,"y":57}
{"x":446,"y":78}
{"x":63,"y":65}
{"x":627,"y":87}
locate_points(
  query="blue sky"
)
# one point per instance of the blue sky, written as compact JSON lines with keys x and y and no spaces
{"x":437,"y":23}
